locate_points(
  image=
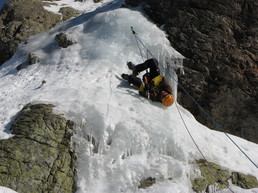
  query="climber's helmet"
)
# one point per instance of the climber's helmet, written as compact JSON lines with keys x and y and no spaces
{"x":167,"y":99}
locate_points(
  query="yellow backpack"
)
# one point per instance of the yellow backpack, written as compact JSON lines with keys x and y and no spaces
{"x":156,"y":82}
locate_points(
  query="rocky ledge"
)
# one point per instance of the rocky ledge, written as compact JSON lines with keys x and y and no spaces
{"x":20,"y":19}
{"x":39,"y":157}
{"x":210,"y":177}
{"x":213,"y":175}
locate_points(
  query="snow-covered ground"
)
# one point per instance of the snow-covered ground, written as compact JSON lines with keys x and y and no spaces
{"x":135,"y":138}
{"x":84,"y":6}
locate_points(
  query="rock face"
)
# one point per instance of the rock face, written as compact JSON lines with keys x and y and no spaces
{"x":63,"y":40}
{"x":68,"y":12}
{"x":20,"y":19}
{"x":38,"y":158}
{"x":244,"y":181}
{"x":219,"y":39}
{"x":213,"y":175}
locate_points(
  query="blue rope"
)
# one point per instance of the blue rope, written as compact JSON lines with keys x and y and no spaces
{"x":206,"y":113}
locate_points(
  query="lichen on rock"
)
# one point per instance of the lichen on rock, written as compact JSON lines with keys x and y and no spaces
{"x":213,"y":175}
{"x":244,"y":181}
{"x":68,"y":13}
{"x":39,"y":157}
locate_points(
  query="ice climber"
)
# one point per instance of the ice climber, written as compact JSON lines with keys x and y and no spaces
{"x":154,"y":86}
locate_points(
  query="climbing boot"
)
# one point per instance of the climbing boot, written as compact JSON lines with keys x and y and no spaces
{"x":125,"y":76}
{"x":131,"y":66}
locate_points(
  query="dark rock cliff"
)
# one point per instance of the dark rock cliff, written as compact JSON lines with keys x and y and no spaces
{"x":219,"y":39}
{"x":39,"y":157}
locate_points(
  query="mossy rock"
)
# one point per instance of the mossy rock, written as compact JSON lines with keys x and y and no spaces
{"x":244,"y":181}
{"x":39,"y":157}
{"x":147,"y":182}
{"x":69,"y":12}
{"x":212,"y":174}
{"x":63,"y":40}
{"x":199,"y":184}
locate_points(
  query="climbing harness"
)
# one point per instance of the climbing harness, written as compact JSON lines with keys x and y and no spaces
{"x":199,"y":106}
{"x":155,"y":82}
